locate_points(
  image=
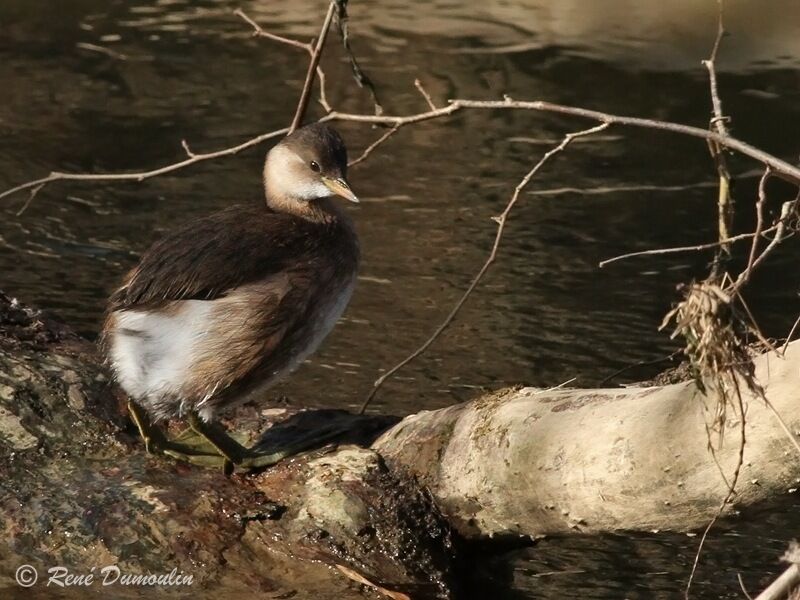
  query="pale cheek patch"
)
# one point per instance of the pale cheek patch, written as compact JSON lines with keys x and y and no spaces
{"x":311,"y":190}
{"x":307,"y":189}
{"x":289,"y":176}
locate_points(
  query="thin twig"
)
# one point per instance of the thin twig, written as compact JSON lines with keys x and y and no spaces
{"x":734,"y":480}
{"x":31,"y":196}
{"x":780,"y":228}
{"x":259,"y":32}
{"x":323,"y":97}
{"x":361,"y":78}
{"x":501,"y":222}
{"x":762,"y":198}
{"x":555,"y":387}
{"x":425,"y":94}
{"x":791,"y":334}
{"x":780,"y":167}
{"x":792,"y":437}
{"x":724,"y":202}
{"x":754,"y":327}
{"x":101,"y":50}
{"x":316,"y":55}
{"x":712,"y":450}
{"x":188,"y":150}
{"x":677,"y":249}
{"x":386,"y":135}
{"x":743,"y":588}
{"x":553,"y":573}
{"x":642,"y":363}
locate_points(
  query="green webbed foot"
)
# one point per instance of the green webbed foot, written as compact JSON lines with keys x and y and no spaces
{"x":209,"y":445}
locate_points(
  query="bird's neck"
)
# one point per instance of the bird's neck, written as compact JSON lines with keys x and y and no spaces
{"x":321,"y":210}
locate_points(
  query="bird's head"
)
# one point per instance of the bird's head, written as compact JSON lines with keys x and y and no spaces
{"x":307,"y":165}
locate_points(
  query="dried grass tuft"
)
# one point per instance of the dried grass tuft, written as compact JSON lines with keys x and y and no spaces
{"x":719,"y":357}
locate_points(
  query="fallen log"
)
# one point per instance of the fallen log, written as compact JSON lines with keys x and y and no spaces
{"x":538,"y":462}
{"x":384,"y":509}
{"x":77,"y":492}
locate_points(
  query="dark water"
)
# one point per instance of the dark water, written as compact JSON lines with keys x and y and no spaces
{"x":97,"y":85}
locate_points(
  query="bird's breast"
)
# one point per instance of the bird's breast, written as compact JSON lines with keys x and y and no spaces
{"x":323,"y":314}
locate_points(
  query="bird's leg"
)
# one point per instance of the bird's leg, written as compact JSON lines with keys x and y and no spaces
{"x":184,"y":448}
{"x":231,"y":450}
{"x":151,"y":435}
{"x":209,"y":445}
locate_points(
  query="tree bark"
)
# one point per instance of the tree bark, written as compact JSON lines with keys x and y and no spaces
{"x":78,"y":491}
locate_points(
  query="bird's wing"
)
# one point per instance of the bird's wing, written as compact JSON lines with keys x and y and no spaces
{"x":210,"y":256}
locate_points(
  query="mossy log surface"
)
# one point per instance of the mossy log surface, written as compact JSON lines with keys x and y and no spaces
{"x":391,"y":503}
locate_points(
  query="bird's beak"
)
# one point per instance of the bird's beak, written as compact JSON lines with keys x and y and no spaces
{"x":340,"y":188}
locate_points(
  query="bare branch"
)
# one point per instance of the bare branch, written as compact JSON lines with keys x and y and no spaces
{"x":501,"y":222}
{"x":641,"y":363}
{"x":316,"y":55}
{"x":361,"y":78}
{"x":101,"y":50}
{"x":791,"y":436}
{"x":783,"y":585}
{"x":731,"y":488}
{"x":387,"y":134}
{"x":744,"y":589}
{"x":719,"y":119}
{"x":779,"y":167}
{"x":780,"y":229}
{"x":791,"y":334}
{"x":142,"y":175}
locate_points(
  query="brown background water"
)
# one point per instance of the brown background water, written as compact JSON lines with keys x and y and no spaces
{"x":182,"y":69}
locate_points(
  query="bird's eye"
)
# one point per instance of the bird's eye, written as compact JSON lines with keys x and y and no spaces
{"x":315,"y":166}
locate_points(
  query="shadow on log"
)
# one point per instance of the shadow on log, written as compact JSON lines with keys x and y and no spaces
{"x":381,"y":512}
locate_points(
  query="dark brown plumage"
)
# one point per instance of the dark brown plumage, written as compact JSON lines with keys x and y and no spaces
{"x":230,"y":302}
{"x":211,"y":255}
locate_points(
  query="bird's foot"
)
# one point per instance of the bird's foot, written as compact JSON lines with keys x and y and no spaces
{"x":196,"y":449}
{"x":151,"y":435}
{"x":201,"y":444}
{"x":209,"y":445}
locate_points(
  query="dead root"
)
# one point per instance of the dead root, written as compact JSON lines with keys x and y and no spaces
{"x":720,"y":359}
